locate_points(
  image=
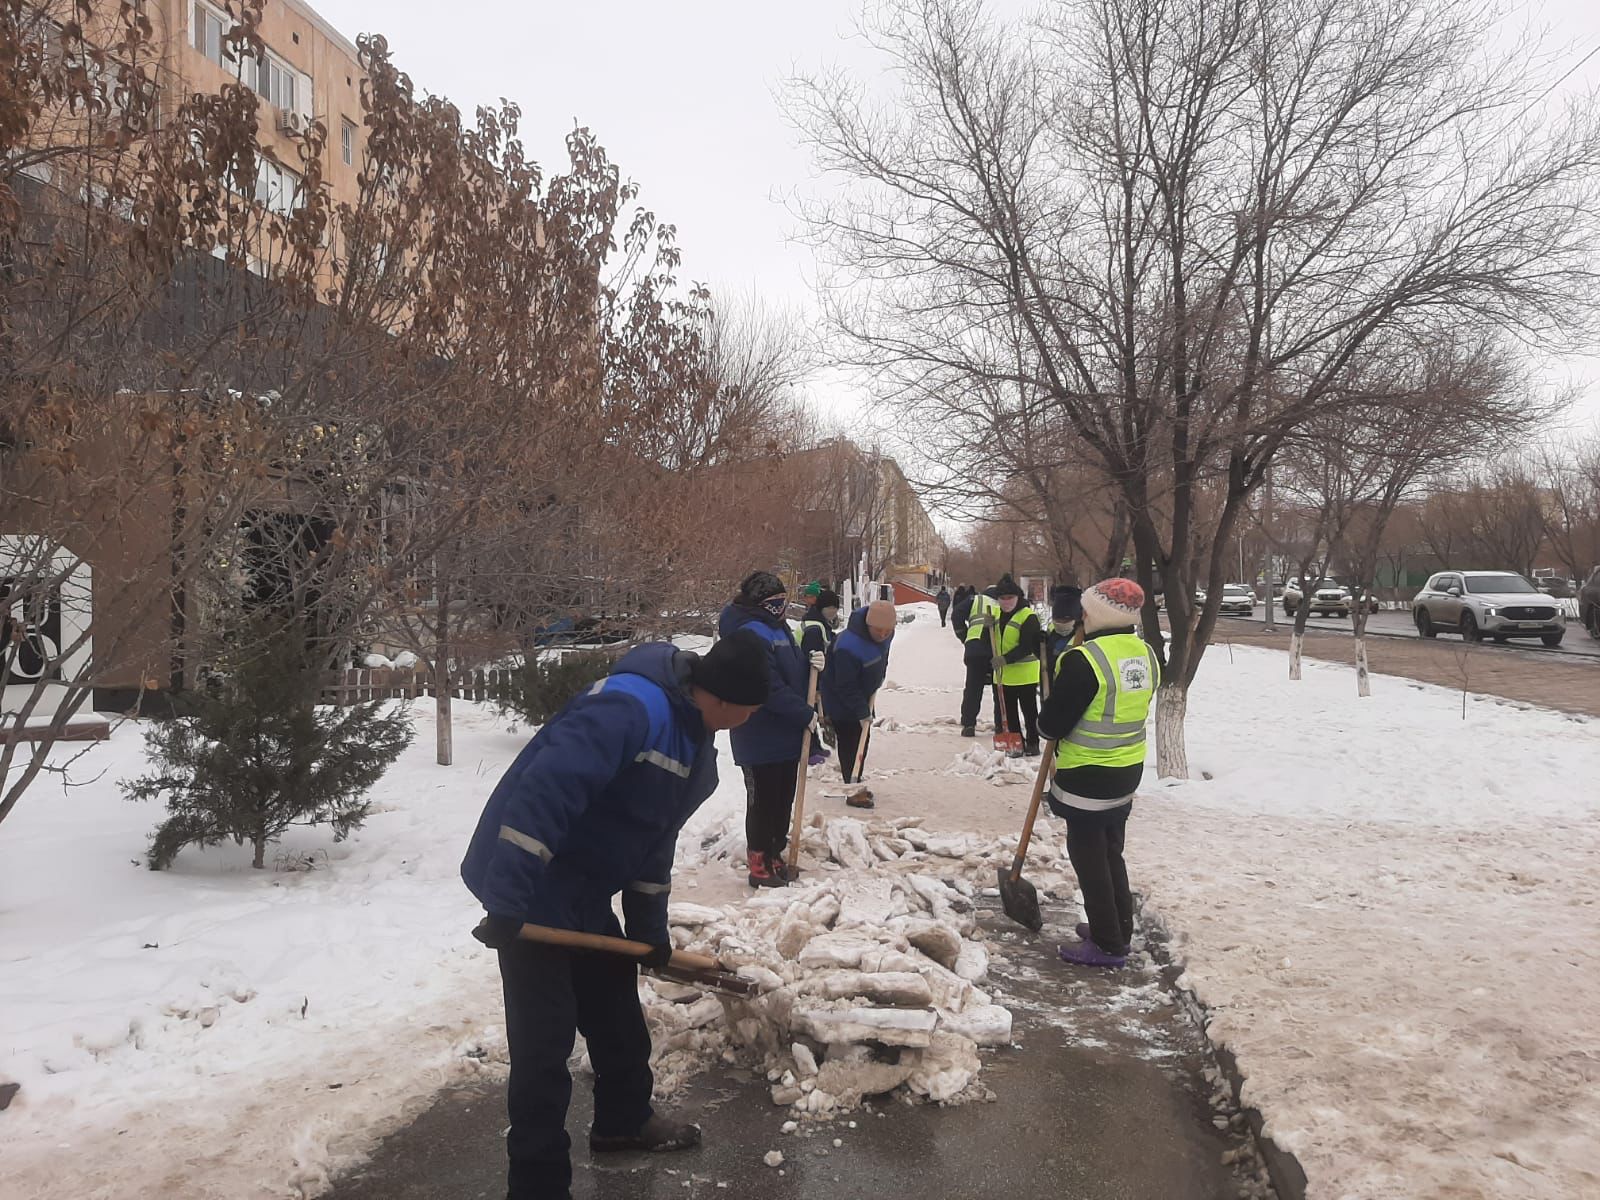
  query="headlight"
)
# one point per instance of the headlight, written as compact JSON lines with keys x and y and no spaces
{"x":1491,"y":611}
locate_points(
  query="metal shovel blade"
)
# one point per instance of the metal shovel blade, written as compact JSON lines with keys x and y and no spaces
{"x":1020,"y":899}
{"x":725,"y":982}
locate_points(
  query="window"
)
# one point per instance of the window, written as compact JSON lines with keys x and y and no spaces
{"x":276,"y":80}
{"x":277,"y":187}
{"x":209,"y":28}
{"x":347,"y":142}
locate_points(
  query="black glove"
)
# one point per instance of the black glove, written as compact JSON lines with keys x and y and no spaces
{"x":660,"y":955}
{"x":497,"y":933}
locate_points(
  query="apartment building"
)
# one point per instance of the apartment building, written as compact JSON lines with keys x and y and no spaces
{"x":309,"y":71}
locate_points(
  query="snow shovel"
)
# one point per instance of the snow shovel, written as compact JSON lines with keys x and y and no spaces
{"x":1018,"y":897}
{"x":1005,"y":739}
{"x":800,"y":784}
{"x":861,"y":797}
{"x":698,"y":969}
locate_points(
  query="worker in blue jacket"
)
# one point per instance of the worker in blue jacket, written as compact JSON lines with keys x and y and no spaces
{"x":850,"y":682}
{"x":767,"y":748}
{"x":592,"y":807}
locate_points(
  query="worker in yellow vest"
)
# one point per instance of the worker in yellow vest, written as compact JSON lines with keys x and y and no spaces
{"x":1101,"y":693}
{"x":977,"y":653}
{"x":1021,"y":642}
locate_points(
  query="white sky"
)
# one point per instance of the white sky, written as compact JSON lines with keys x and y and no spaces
{"x":681,"y":94}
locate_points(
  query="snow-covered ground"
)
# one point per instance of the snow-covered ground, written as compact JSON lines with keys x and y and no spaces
{"x":1392,"y":913}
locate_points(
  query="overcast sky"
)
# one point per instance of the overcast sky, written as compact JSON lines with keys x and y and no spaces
{"x":681,"y":93}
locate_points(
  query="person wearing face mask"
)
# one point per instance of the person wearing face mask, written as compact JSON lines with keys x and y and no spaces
{"x":767,"y":747}
{"x":1021,"y":642}
{"x":821,"y":620}
{"x":1066,"y":616}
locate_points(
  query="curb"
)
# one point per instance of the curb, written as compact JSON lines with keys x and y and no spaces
{"x":1283,"y":1168}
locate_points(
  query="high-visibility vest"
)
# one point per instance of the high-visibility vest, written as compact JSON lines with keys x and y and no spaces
{"x":799,"y":632}
{"x":1017,"y":674}
{"x":982,"y":606}
{"x":1111,"y":732}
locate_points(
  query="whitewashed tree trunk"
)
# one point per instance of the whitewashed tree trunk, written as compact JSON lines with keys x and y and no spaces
{"x":1363,"y":678}
{"x":443,"y":685}
{"x":1297,"y":641}
{"x":1172,"y":755}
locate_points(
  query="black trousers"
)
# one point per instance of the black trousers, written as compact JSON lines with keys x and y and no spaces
{"x":944,"y":614}
{"x":980,"y":677}
{"x":551,"y":994}
{"x":1094,"y":844}
{"x":850,"y":734}
{"x":769,"y":805}
{"x":1023,"y":698}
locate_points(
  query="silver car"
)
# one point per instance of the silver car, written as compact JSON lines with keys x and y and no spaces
{"x":1479,"y":604}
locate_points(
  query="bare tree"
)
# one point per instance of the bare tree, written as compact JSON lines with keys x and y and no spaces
{"x":1199,"y":217}
{"x":1569,"y":472}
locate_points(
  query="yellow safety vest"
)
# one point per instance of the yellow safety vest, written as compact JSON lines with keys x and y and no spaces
{"x":1016,"y":674}
{"x":799,"y":633}
{"x":981,"y":606}
{"x":1111,"y":732}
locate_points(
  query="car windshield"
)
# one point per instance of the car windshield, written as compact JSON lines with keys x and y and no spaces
{"x":1498,"y":584}
{"x":1233,"y":589}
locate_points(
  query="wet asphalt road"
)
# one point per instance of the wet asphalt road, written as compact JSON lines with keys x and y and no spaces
{"x":1103,"y":1097}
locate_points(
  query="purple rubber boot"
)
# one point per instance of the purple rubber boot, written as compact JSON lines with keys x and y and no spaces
{"x":1087,"y":954}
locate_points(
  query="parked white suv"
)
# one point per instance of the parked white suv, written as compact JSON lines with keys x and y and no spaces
{"x":1497,"y":604}
{"x":1329,"y":598}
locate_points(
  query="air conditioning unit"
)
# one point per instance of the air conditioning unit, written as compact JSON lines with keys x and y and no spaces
{"x":290,"y":121}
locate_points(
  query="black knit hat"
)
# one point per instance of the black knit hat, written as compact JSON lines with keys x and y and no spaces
{"x":1006,"y":587}
{"x":735,"y":670}
{"x":761,"y":585}
{"x":1066,"y":603}
{"x":827,"y":598}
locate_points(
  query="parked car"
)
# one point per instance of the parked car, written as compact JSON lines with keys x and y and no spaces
{"x":1238,"y":599}
{"x":1589,"y":604}
{"x":1497,"y":604}
{"x":1329,"y":598}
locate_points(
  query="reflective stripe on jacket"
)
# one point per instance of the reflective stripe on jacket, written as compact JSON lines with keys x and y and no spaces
{"x":1025,"y":670}
{"x":1111,"y":732}
{"x":982,"y":606}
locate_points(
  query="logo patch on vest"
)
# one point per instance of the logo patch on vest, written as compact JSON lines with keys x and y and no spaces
{"x":1135,"y":673}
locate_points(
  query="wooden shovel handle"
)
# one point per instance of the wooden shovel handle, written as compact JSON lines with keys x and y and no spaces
{"x":1045,"y":762}
{"x":573,"y":940}
{"x":800,"y":783}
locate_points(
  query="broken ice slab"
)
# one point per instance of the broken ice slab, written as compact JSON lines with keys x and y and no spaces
{"x":844,"y":948}
{"x":902,"y":989}
{"x":889,"y":1026}
{"x":937,"y":940}
{"x":988,"y":1025}
{"x":686,"y":913}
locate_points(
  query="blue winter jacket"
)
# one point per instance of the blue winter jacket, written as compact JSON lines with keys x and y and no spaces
{"x":856,"y":668}
{"x":593,"y":804}
{"x":774,"y":733}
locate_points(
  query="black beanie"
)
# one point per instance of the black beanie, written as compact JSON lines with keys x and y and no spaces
{"x":827,"y":598}
{"x":759,"y":586}
{"x":1006,"y":587}
{"x":1066,"y":604}
{"x":735,"y":670}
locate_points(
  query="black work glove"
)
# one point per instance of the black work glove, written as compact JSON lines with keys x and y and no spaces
{"x":497,"y":933}
{"x":660,"y":955}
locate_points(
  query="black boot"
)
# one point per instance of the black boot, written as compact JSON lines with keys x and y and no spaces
{"x":969,"y":731}
{"x":657,"y":1135}
{"x":1031,"y":749}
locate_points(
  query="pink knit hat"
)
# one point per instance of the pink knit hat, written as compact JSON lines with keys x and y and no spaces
{"x":1112,"y":604}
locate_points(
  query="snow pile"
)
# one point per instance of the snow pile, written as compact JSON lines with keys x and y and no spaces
{"x":993,"y":765}
{"x":869,"y":973}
